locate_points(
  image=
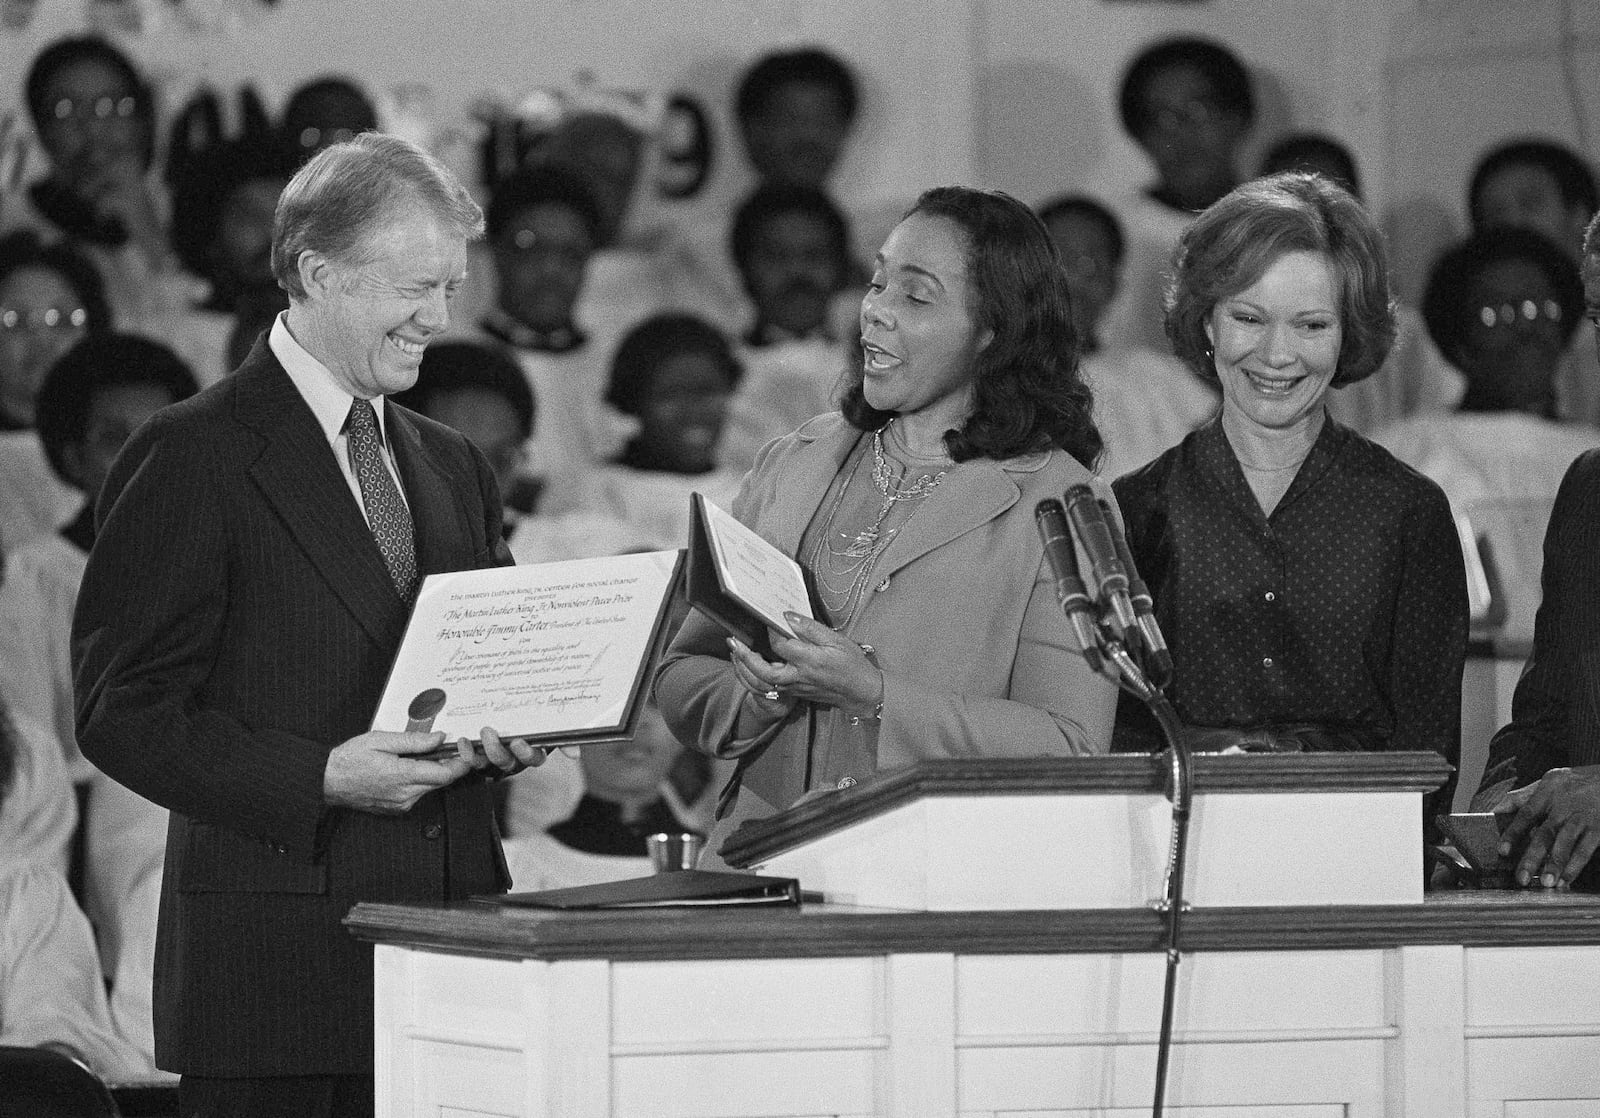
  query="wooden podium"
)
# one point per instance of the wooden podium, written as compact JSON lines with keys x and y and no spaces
{"x":987,"y":949}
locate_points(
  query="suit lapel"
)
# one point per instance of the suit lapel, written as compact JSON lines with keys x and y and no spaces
{"x":443,"y":536}
{"x":299,"y":478}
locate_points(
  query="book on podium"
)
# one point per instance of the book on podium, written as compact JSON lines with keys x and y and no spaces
{"x":679,"y":889}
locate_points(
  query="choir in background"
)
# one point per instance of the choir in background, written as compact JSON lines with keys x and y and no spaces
{"x":249,"y":396}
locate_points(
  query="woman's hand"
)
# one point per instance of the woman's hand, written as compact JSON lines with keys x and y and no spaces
{"x":816,"y":665}
{"x":752,"y":672}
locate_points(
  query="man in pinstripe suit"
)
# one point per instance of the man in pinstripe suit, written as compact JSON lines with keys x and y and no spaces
{"x":1543,"y":773}
{"x":258,"y":549}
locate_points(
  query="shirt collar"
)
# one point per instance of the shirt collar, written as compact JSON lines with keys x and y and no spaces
{"x":328,"y":401}
{"x":1217,"y":456}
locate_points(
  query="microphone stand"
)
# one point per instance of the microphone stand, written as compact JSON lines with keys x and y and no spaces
{"x":1179,"y":790}
{"x":1113,"y":637}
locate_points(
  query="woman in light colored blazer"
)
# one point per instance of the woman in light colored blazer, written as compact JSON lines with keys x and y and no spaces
{"x":912,"y":511}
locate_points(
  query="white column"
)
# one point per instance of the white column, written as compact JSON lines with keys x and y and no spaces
{"x":391,"y":994}
{"x":1427,"y":1061}
{"x":567,"y":1046}
{"x":921,"y":997}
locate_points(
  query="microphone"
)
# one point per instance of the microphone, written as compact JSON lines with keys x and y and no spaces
{"x":1144,"y":606}
{"x":1110,"y":576}
{"x":1070,"y":592}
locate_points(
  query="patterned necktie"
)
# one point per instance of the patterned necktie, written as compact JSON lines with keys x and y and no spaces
{"x":386,"y":510}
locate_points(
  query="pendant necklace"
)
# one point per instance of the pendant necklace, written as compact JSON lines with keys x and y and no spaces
{"x":842,"y":571}
{"x":893,"y":490}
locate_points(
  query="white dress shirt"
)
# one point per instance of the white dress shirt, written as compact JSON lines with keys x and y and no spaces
{"x":329,"y":403}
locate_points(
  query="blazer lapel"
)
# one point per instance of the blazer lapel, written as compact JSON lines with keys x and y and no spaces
{"x":812,"y":472}
{"x":972,"y":494}
{"x":298,"y":476}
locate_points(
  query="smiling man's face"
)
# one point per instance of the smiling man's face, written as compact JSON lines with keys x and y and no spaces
{"x":375,"y":317}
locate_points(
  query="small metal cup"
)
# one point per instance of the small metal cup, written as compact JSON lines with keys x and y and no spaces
{"x":670,"y":852}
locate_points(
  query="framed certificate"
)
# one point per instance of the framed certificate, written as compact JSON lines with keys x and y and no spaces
{"x":554,"y":653}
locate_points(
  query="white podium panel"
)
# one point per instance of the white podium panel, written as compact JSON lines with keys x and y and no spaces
{"x":1533,"y":1032}
{"x":1093,"y":832}
{"x":1301,"y":1033}
{"x":1109,"y":851}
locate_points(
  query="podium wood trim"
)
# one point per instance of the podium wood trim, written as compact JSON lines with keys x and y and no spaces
{"x":1469,"y":918}
{"x":761,"y":839}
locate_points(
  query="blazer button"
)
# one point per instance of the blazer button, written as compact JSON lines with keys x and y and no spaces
{"x":882,"y":586}
{"x":846,"y":782}
{"x":432,"y":831}
{"x":280,"y":848}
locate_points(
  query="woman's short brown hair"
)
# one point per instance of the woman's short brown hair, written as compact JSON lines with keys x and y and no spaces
{"x":1232,"y":244}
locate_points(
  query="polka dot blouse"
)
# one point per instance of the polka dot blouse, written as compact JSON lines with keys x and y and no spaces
{"x":1345,"y":609}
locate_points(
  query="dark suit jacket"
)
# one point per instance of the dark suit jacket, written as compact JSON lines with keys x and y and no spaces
{"x":1555,"y":714}
{"x":236,"y":622}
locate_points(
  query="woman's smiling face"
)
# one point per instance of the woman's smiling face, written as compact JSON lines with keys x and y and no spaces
{"x":1276,"y":343}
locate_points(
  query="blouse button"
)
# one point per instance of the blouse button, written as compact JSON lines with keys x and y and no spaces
{"x":882,"y":586}
{"x":1266,"y":661}
{"x":846,"y":782}
{"x":1271,"y":597}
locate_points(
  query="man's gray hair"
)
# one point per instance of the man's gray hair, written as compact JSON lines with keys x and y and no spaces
{"x":339,"y":202}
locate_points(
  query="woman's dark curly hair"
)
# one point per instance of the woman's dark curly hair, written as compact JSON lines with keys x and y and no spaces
{"x":1027,"y":394}
{"x":1239,"y":237}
